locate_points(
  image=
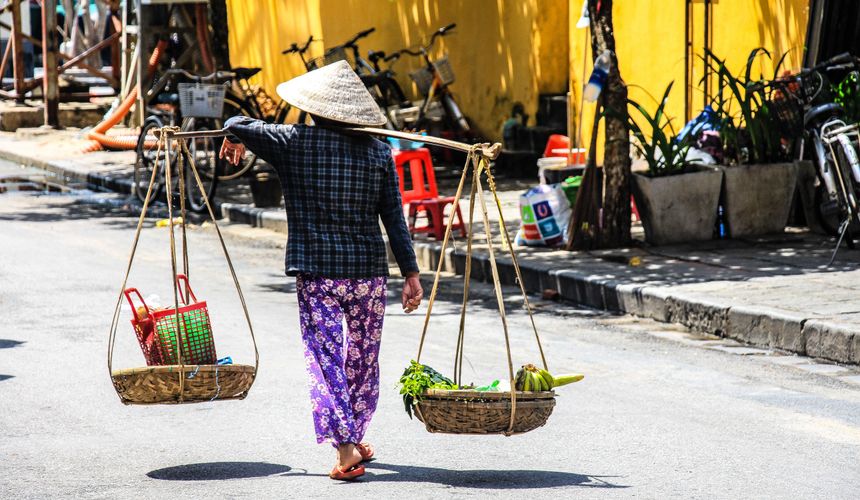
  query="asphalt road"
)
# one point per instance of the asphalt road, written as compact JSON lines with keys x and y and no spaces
{"x":654,"y":418}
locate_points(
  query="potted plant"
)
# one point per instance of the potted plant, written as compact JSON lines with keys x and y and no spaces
{"x":677,"y":198}
{"x":759,"y":173}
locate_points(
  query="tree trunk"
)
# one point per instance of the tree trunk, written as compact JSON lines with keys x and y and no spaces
{"x":615,"y":231}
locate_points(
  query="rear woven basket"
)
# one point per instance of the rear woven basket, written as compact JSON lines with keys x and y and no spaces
{"x":473,"y":412}
{"x":160,"y":384}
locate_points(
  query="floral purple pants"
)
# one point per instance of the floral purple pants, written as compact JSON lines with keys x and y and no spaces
{"x":343,"y":370}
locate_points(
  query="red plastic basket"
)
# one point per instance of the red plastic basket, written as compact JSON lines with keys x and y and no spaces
{"x":157,"y":331}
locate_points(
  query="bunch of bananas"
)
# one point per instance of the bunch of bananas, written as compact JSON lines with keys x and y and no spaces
{"x":532,"y":378}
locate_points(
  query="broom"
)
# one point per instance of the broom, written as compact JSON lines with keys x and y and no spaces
{"x":584,"y":228}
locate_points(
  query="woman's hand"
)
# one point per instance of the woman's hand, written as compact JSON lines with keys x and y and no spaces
{"x":412,"y":293}
{"x":232,"y":152}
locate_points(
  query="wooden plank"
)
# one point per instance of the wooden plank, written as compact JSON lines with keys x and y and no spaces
{"x":92,"y":69}
{"x":17,"y":52}
{"x":83,"y":55}
{"x":31,"y":39}
{"x":5,"y":62}
{"x":50,"y":89}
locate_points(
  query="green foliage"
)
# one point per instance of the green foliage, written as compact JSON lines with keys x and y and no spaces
{"x":664,"y":155}
{"x":847,"y":94}
{"x":416,"y":379}
{"x":748,"y":122}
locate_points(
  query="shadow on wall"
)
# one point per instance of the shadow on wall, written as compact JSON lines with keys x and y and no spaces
{"x":782,"y":22}
{"x":502,"y":51}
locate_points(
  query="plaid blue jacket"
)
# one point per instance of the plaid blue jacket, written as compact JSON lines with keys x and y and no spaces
{"x":336,"y":188}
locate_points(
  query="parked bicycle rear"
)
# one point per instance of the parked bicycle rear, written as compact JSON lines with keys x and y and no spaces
{"x":809,"y":112}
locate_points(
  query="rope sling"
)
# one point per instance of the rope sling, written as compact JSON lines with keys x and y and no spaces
{"x":539,"y":408}
{"x":179,"y":383}
{"x":458,"y":412}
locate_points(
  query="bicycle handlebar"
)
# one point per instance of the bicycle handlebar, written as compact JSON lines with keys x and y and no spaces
{"x":376,"y":55}
{"x":423,"y":50}
{"x":440,"y":32}
{"x":840,"y":61}
{"x":358,"y":36}
{"x":410,"y":52}
{"x":197,"y":78}
{"x":294,"y":47}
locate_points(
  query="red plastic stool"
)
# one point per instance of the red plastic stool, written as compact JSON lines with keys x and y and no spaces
{"x":423,"y":198}
{"x":556,"y":141}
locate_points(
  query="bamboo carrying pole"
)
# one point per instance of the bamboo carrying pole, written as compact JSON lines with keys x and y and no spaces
{"x":487,"y":150}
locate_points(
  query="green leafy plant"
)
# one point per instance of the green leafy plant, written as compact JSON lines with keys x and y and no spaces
{"x":665,"y":155}
{"x":847,"y":94}
{"x":748,"y":122}
{"x":416,"y":379}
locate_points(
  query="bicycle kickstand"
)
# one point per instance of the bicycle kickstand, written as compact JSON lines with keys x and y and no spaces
{"x":843,"y":229}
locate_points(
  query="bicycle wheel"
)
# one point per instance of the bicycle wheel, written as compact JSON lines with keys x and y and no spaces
{"x":456,"y":117}
{"x":146,"y":152}
{"x":204,"y":152}
{"x":832,"y":213}
{"x":229,"y":171}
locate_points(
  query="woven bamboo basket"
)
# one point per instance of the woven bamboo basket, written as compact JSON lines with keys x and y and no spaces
{"x":201,"y":383}
{"x":473,"y":412}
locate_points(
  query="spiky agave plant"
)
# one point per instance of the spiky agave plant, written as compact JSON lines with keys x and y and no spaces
{"x":748,"y":122}
{"x":665,"y":155}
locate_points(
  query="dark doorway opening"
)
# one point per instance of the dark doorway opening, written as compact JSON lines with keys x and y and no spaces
{"x":833,"y":28}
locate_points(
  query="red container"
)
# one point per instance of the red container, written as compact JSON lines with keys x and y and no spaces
{"x":157,"y":330}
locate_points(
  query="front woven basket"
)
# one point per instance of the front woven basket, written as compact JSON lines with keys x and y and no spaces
{"x":473,"y":412}
{"x":160,"y":384}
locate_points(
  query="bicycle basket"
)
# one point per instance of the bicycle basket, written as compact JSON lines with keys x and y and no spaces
{"x":784,"y":101}
{"x":334,"y":55}
{"x":443,"y":68}
{"x":201,"y":100}
{"x":423,"y":79}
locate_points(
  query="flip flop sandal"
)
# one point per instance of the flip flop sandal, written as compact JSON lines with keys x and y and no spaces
{"x":365,"y":450}
{"x":351,"y":474}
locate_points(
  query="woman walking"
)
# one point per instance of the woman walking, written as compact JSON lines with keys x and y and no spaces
{"x":337,"y":186}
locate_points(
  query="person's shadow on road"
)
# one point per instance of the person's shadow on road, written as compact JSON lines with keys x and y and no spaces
{"x":486,"y":479}
{"x":214,"y":471}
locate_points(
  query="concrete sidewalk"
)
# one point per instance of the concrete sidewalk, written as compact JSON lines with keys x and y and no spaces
{"x":775,"y":291}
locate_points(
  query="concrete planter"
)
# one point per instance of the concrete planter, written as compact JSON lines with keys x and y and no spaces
{"x":678,"y":208}
{"x":758,"y":197}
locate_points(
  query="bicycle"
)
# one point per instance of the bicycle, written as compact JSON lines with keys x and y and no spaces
{"x":248,"y":100}
{"x":243,"y":99}
{"x":203,"y":111}
{"x":433,"y":81}
{"x":804,"y":101}
{"x":399,"y":110}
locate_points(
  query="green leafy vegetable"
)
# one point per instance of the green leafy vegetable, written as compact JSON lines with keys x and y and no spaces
{"x":416,"y":379}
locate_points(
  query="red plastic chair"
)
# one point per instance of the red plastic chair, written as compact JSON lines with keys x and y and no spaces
{"x":423,"y":198}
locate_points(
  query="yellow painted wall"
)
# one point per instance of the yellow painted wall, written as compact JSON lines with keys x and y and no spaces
{"x":649,"y":38}
{"x":502,"y":50}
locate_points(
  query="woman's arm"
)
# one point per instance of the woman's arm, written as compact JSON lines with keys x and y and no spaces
{"x":266,"y":140}
{"x":391,"y":212}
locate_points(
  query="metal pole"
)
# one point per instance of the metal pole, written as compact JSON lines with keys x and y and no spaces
{"x":50,"y":88}
{"x":17,"y":52}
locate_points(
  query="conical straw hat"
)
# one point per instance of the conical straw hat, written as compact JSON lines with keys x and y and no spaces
{"x":334,"y":92}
